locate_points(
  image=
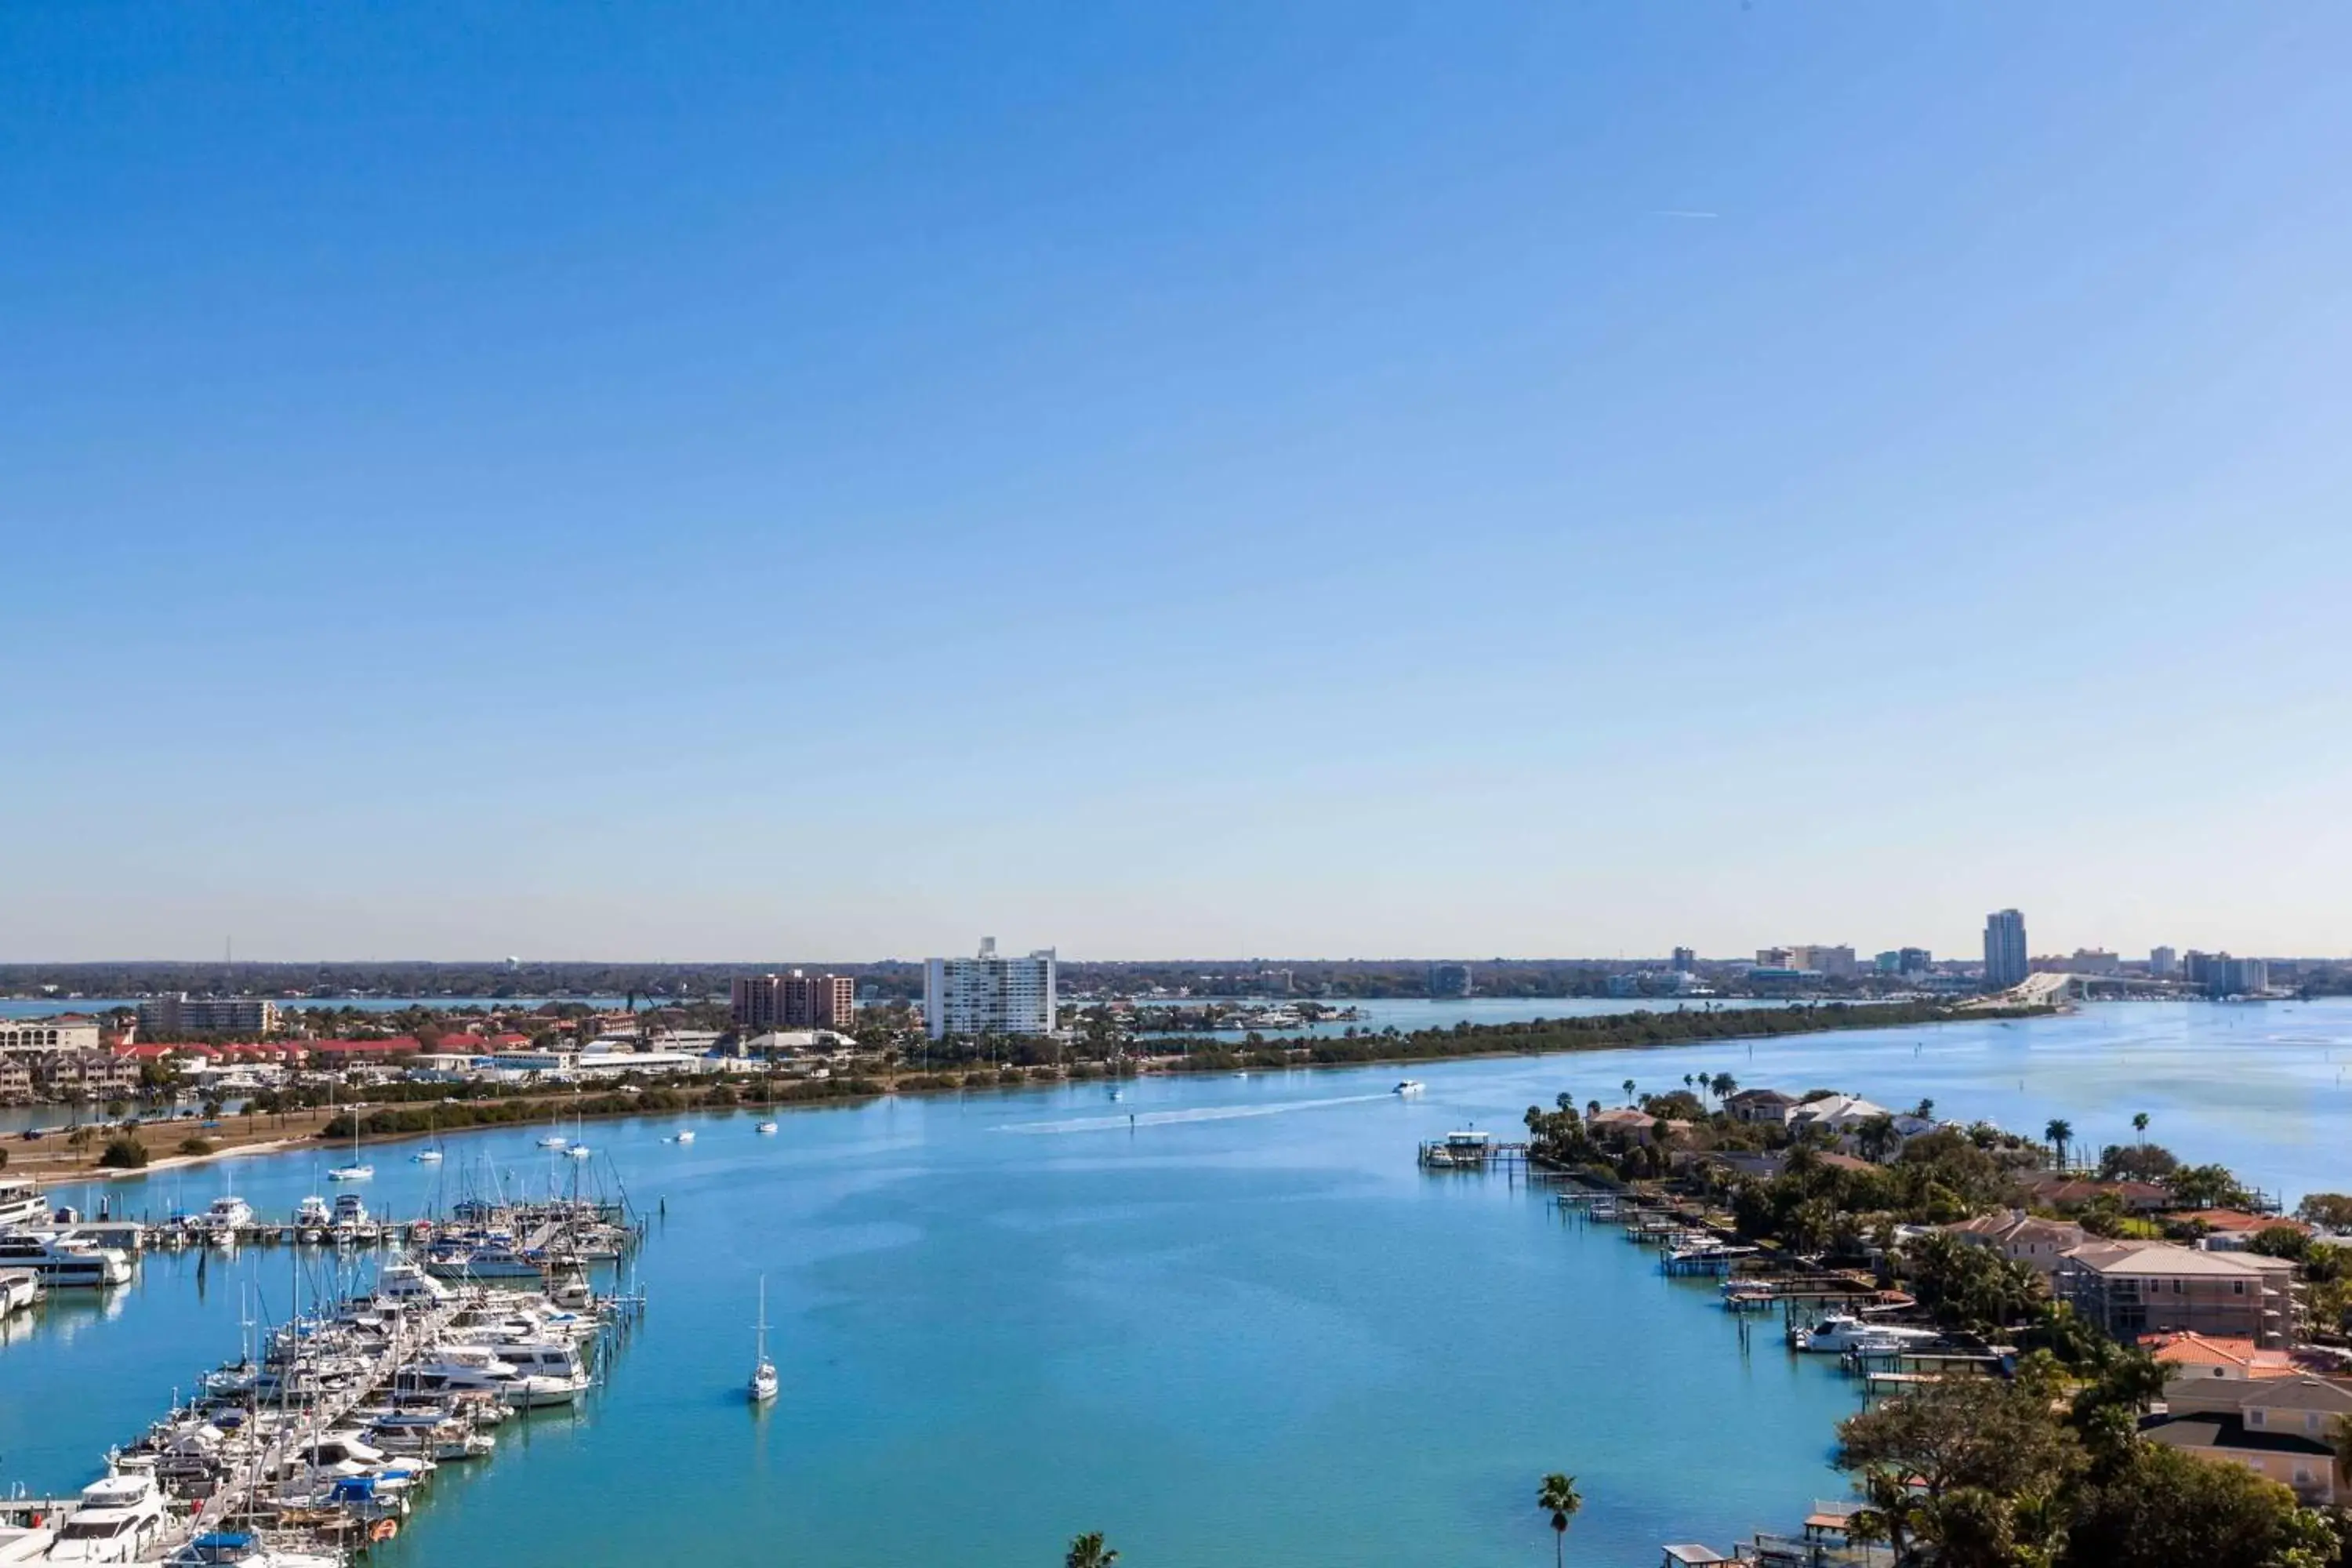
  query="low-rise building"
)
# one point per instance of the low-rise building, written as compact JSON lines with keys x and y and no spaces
{"x":65,"y":1032}
{"x":2039,"y":1244}
{"x":2127,"y":1289}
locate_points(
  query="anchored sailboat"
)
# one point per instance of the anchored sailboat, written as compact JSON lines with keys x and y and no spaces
{"x":763,"y":1371}
{"x":357,"y":1171}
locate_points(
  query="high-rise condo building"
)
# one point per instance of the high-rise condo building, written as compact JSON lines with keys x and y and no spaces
{"x":2161,"y":963}
{"x":176,"y":1013}
{"x":2004,"y":949}
{"x":1449,"y":980}
{"x":990,"y":994}
{"x":1686,"y":960}
{"x":794,"y":1001}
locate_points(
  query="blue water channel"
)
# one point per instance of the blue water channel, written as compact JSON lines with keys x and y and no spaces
{"x":1243,"y":1328}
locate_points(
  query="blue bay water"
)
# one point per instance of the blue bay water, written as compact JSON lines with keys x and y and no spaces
{"x":1245,"y":1328}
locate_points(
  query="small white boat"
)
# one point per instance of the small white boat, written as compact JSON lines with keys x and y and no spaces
{"x":765,"y":1128}
{"x":555,"y":1141}
{"x":762,"y":1386}
{"x":1410,"y":1086}
{"x":683,"y":1135}
{"x":426,"y":1156}
{"x":578,"y":1151}
{"x":350,"y":1174}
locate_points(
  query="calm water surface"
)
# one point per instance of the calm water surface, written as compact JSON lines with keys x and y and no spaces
{"x":1245,"y":1328}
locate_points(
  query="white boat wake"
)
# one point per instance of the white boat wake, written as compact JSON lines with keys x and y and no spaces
{"x":1171,"y":1118}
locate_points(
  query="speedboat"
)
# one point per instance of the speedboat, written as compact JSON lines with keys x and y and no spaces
{"x":1838,"y":1332}
{"x":1410,"y":1086}
{"x":765,"y":1128}
{"x":117,"y":1520}
{"x":683,"y":1135}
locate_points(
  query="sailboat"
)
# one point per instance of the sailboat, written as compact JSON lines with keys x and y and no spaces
{"x":553,"y":1140}
{"x":356,"y":1171}
{"x":767,"y":1122}
{"x":431,"y":1153}
{"x":762,"y":1386}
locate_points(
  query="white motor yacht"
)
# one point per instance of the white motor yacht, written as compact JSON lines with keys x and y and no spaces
{"x":21,"y":1203}
{"x":765,"y":1128}
{"x":115,"y":1521}
{"x":226,"y":1215}
{"x":350,"y":1209}
{"x":64,"y":1262}
{"x":1838,"y":1333}
{"x":400,"y":1279}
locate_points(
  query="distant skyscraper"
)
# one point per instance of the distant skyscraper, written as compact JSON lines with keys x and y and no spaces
{"x":1686,"y":961}
{"x":1449,"y":980}
{"x":2004,"y":947}
{"x":2161,"y":963}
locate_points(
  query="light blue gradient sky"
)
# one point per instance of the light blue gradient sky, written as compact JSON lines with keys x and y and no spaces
{"x":726,"y":480}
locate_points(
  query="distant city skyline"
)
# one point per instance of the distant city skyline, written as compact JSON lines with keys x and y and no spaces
{"x":1225,"y":480}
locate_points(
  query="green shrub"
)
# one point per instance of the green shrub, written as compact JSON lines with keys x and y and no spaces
{"x":123,"y":1155}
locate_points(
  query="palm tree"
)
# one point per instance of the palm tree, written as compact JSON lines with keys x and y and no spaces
{"x":1087,"y":1551}
{"x":2139,"y":1125}
{"x":2059,"y":1131}
{"x":1559,"y":1497}
{"x":1629,"y":1091}
{"x":1724,"y":1085}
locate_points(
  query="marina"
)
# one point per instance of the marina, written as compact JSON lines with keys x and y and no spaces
{"x":932,"y":1277}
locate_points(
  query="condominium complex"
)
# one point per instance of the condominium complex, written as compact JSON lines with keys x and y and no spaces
{"x":2004,"y":949}
{"x":2127,"y":1289}
{"x":1449,"y":980}
{"x":794,"y":1001}
{"x":2219,"y":974}
{"x":177,"y":1013}
{"x":990,"y":994}
{"x":69,"y":1032}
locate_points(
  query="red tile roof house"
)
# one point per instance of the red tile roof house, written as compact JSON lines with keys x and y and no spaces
{"x":2054,"y":1189}
{"x":2229,"y":1230}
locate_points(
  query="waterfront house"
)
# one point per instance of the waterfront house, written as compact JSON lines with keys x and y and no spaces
{"x":1767,"y":1106}
{"x":1840,"y":1113}
{"x":2286,"y":1429}
{"x":2017,"y":1235}
{"x":16,"y":1081}
{"x":2057,"y":1190}
{"x":1622,"y":1124}
{"x":2230,"y":1230}
{"x":2207,"y":1372}
{"x":2127,"y":1289}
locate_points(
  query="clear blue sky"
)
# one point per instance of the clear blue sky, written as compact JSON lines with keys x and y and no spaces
{"x":837,"y":479}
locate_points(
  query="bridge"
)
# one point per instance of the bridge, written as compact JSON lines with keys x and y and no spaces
{"x":2053,"y":987}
